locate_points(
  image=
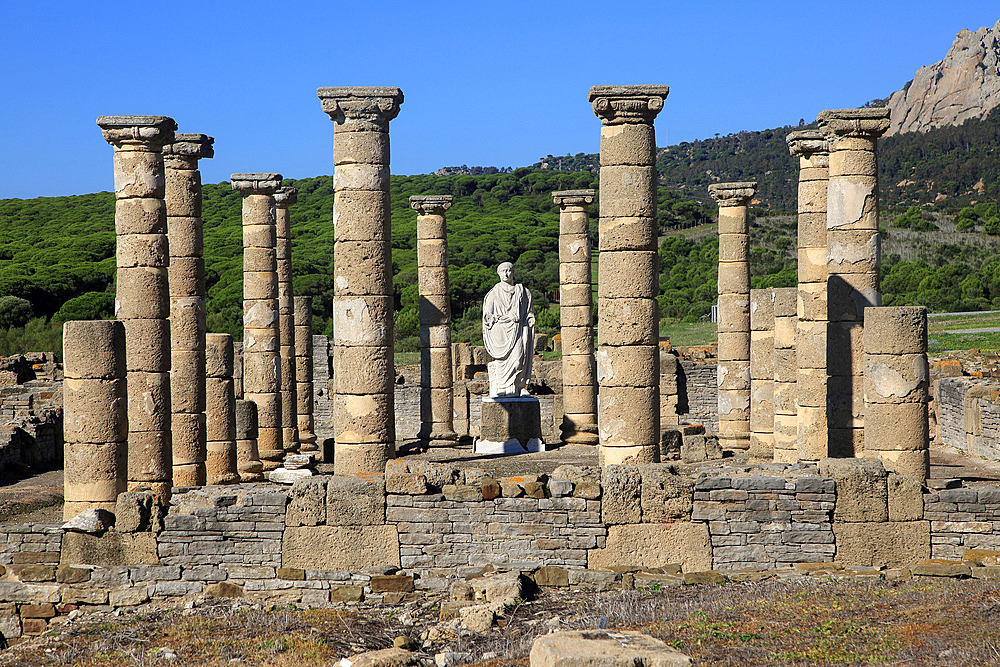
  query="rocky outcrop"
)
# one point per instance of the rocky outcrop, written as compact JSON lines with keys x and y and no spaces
{"x":965,"y":84}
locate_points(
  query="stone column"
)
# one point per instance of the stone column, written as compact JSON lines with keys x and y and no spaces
{"x":896,"y":389}
{"x":785,"y":375}
{"x":247,"y":459}
{"x":579,"y":418}
{"x":852,"y":262}
{"x":304,"y":373}
{"x":811,"y":382}
{"x":142,"y":300}
{"x":734,"y":312}
{"x":95,"y":418}
{"x":628,"y":361}
{"x":364,"y":415}
{"x":762,"y":374}
{"x":284,"y":198}
{"x":436,"y":384}
{"x":186,"y":276}
{"x":220,"y":428}
{"x":261,"y":366}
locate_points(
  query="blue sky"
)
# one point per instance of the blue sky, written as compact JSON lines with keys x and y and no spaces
{"x":486,"y":83}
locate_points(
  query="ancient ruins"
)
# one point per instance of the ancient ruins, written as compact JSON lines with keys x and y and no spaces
{"x":803,"y":444}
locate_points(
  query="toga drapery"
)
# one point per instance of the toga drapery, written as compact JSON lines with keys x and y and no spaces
{"x":509,"y":338}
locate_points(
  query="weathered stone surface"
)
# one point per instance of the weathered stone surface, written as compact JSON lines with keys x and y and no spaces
{"x":862,"y":494}
{"x":906,"y":500}
{"x":600,"y":648}
{"x":622,"y":495}
{"x":665,"y":496}
{"x":340,"y":547}
{"x":307,"y":502}
{"x":655,"y":545}
{"x":387,"y":657}
{"x":355,"y":501}
{"x":112,"y":548}
{"x":892,"y":544}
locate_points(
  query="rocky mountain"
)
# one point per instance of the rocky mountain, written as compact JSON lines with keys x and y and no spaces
{"x":964,"y":84}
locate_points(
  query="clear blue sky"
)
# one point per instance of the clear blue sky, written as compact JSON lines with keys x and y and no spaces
{"x":486,"y":83}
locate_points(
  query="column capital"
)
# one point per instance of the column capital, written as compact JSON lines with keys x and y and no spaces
{"x":807,"y":143}
{"x":190,"y":146}
{"x":566,"y":198}
{"x":256,"y":184}
{"x":430,"y":204}
{"x":286,"y":196}
{"x":733,"y":194}
{"x":618,"y":105}
{"x":137,"y":130}
{"x":864,"y":123}
{"x":374,"y":104}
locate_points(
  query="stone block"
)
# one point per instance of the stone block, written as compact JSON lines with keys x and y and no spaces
{"x":346,"y":593}
{"x":862,"y":493}
{"x":413,"y":484}
{"x":72,"y":575}
{"x":355,"y":500}
{"x":622,"y":487}
{"x":600,"y":648}
{"x":340,"y":547}
{"x":551,"y":576}
{"x":906,"y":498}
{"x":307,"y":502}
{"x":112,"y":548}
{"x":665,"y":496}
{"x":392,"y":583}
{"x":892,"y":544}
{"x":655,"y":545}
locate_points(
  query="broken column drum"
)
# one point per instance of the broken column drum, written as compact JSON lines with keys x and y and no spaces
{"x":261,"y":366}
{"x":95,"y":418}
{"x":284,"y":198}
{"x":734,"y":312}
{"x":853,"y":257}
{"x":579,"y":419}
{"x":142,"y":300}
{"x":436,"y":384}
{"x":762,"y":374}
{"x":304,"y":373}
{"x":785,"y":375}
{"x":364,"y":414}
{"x":247,"y":458}
{"x":186,"y":276}
{"x":810,"y":349}
{"x":628,"y":359}
{"x":220,"y":427}
{"x":896,"y":389}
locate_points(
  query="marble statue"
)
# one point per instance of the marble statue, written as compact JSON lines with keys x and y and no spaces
{"x":509,"y":334}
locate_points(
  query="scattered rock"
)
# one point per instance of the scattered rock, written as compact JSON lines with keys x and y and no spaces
{"x":94,"y":521}
{"x":451,"y":659}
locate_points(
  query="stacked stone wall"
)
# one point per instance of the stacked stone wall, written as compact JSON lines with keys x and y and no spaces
{"x":968,"y":415}
{"x":963,"y":518}
{"x":30,"y":409}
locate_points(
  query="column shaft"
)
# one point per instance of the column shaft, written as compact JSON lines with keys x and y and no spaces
{"x":734,"y":312}
{"x":853,"y":256}
{"x":220,"y":423}
{"x":812,"y":439}
{"x":364,"y":415}
{"x":785,"y":375}
{"x":304,"y":373}
{"x":261,"y":365}
{"x":762,"y":374}
{"x":579,"y":404}
{"x":95,"y":418}
{"x":247,"y":458}
{"x":628,"y":359}
{"x":284,"y":198}
{"x":436,"y":383}
{"x":142,"y":300}
{"x":896,"y":389}
{"x":186,"y":277}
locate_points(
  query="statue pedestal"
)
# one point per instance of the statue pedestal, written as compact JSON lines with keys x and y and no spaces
{"x":510,"y":425}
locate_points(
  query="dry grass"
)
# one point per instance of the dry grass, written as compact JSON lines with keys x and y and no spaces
{"x":782,"y":623}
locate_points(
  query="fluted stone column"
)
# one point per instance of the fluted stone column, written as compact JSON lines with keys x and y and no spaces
{"x":896,"y":389}
{"x":436,"y":383}
{"x":261,"y":365}
{"x":364,"y":415}
{"x":853,"y":257}
{"x":734,"y":312}
{"x":284,"y":198}
{"x":762,"y":374}
{"x":186,"y":276}
{"x":785,"y":375}
{"x":579,"y":419}
{"x":628,"y":360}
{"x":811,"y":383}
{"x":304,"y":373}
{"x":247,"y":458}
{"x":220,"y":399}
{"x":142,"y":300}
{"x":95,"y":416}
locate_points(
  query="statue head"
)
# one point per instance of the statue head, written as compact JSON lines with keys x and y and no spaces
{"x":506,"y":272}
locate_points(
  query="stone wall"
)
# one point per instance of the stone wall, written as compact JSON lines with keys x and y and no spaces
{"x":968,"y":415}
{"x":961,"y":519}
{"x":30,"y":410}
{"x":697,"y":384}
